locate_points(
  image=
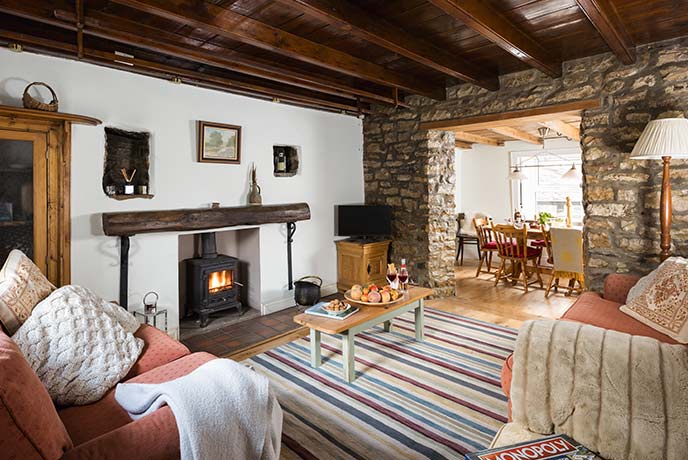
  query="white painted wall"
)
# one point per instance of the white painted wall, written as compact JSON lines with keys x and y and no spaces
{"x":482,"y":184}
{"x":331,"y":171}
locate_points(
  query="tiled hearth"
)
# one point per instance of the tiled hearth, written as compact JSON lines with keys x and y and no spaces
{"x":228,"y":340}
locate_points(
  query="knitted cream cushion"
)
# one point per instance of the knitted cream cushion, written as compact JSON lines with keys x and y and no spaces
{"x":663,"y":303}
{"x":79,"y":345}
{"x":22,"y":286}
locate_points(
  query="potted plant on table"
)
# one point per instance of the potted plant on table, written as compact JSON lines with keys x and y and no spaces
{"x":543,"y":219}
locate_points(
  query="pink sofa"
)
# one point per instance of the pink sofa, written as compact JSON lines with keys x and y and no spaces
{"x":601,"y":311}
{"x":31,"y":427}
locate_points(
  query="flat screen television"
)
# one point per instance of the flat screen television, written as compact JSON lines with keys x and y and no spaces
{"x":363,"y":220}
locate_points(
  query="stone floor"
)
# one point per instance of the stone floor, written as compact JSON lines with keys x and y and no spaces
{"x":476,"y":297}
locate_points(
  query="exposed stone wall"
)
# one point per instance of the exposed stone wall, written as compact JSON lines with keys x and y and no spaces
{"x":413,"y":171}
{"x":621,"y":195}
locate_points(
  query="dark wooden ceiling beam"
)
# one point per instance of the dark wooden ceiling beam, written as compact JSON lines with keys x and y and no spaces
{"x":138,"y":35}
{"x":606,"y":20}
{"x":373,"y":29}
{"x":226,"y":23}
{"x":491,"y":24}
{"x":156,"y":69}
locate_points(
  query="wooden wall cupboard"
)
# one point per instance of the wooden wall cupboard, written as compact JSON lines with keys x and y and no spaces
{"x":35,"y":160}
{"x":361,"y":263}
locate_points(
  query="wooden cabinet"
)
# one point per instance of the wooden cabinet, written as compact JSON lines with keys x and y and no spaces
{"x":361,"y":263}
{"x":35,"y":187}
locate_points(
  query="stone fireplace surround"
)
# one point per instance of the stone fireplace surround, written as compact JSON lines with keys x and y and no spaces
{"x":413,"y":170}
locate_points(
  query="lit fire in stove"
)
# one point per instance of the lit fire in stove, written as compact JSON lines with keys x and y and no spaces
{"x":220,"y":281}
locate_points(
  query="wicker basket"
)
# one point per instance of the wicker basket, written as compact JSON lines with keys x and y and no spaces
{"x":31,"y":103}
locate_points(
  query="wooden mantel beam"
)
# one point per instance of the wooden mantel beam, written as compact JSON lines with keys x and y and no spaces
{"x":606,"y":20}
{"x":187,"y":220}
{"x":392,"y":37}
{"x":226,"y":23}
{"x":481,"y":17}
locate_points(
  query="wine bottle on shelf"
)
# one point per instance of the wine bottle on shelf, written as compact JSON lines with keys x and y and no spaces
{"x":281,"y":162}
{"x":402,"y":276}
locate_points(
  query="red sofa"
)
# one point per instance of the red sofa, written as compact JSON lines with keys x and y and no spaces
{"x":31,"y":427}
{"x":601,"y":311}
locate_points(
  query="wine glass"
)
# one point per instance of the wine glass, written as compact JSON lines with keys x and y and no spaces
{"x":392,"y":276}
{"x":402,"y":276}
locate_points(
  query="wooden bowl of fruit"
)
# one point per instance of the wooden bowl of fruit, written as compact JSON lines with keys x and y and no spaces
{"x":373,"y":295}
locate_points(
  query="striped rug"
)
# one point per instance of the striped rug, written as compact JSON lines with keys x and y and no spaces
{"x":432,"y":400}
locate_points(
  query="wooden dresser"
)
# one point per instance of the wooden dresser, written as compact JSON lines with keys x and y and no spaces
{"x":361,"y":263}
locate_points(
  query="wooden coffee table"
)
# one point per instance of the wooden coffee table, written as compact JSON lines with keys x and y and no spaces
{"x":365,"y":318}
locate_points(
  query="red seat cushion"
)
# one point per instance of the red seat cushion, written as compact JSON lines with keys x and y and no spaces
{"x":530,"y":252}
{"x":592,"y":309}
{"x":88,"y":422}
{"x":538,"y":243}
{"x":159,"y":349}
{"x":490,"y":245}
{"x":29,"y":425}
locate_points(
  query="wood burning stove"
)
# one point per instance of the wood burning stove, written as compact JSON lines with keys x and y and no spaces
{"x":212,"y":281}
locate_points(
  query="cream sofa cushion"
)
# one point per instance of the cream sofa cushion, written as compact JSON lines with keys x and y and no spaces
{"x":663,"y":303}
{"x":22,"y":287}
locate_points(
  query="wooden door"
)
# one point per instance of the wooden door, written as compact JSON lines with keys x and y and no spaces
{"x":24,"y":222}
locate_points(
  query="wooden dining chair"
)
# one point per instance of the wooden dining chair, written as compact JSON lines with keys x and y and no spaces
{"x":546,"y":245}
{"x":464,"y":238}
{"x":486,"y":244}
{"x":567,"y":252}
{"x":512,"y":246}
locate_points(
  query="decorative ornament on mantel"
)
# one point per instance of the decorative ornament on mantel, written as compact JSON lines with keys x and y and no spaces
{"x":254,"y":198}
{"x":663,"y":139}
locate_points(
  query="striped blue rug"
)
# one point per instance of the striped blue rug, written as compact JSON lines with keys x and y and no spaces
{"x":432,"y":400}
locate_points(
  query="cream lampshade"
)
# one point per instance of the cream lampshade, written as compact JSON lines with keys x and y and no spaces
{"x":666,"y":137}
{"x":663,"y":139}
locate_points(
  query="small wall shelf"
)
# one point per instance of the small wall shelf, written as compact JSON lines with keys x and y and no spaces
{"x":131,"y":197}
{"x":126,"y":152}
{"x":285,"y":160}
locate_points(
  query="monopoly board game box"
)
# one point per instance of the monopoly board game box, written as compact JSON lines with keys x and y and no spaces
{"x":556,"y":447}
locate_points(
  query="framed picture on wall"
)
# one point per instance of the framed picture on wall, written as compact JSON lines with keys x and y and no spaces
{"x":219,"y":143}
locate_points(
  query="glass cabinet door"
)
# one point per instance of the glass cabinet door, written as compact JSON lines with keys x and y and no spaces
{"x":23,"y":195}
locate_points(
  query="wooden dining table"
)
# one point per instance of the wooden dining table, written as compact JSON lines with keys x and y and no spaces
{"x":532,"y":234}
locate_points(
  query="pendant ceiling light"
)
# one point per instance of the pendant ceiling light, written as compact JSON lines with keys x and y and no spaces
{"x":517,"y":174}
{"x":573,"y":175}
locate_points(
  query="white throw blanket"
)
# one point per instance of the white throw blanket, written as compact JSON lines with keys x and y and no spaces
{"x":223,"y":411}
{"x":78,"y":344}
{"x":623,"y":396}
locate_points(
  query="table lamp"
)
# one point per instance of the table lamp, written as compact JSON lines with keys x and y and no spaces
{"x":663,"y":139}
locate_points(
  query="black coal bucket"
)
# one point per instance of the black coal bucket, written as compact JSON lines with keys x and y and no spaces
{"x":307,"y":293}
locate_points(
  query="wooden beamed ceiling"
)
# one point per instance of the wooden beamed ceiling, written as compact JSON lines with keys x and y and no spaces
{"x":338,"y":55}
